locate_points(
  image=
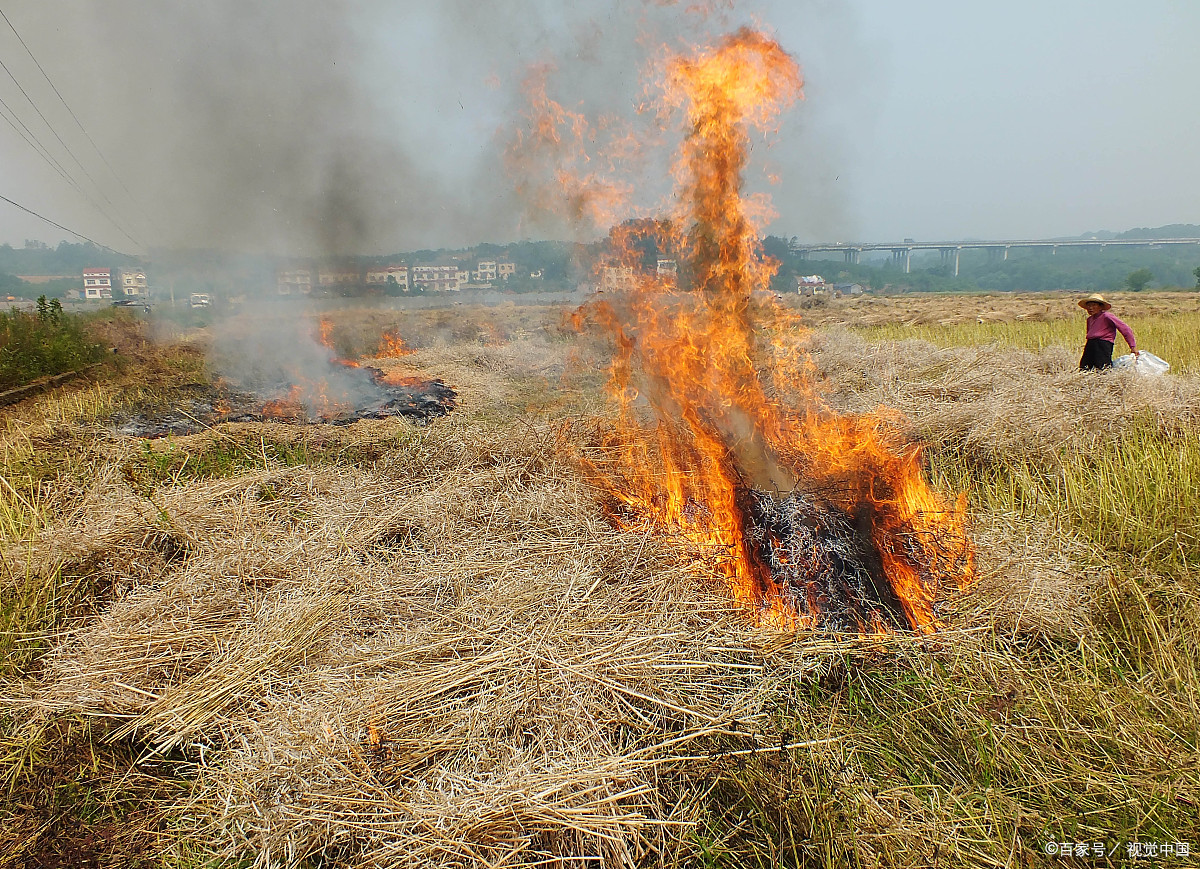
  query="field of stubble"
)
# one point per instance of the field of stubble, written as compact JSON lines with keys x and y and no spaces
{"x":390,"y":644}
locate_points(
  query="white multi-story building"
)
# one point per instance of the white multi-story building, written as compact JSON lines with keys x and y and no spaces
{"x":97,"y":283}
{"x":338,"y":276}
{"x":485,"y":272}
{"x":439,"y":278}
{"x":617,"y":279}
{"x":293,"y":282}
{"x":133,"y":284}
{"x":379,"y":276}
{"x":506,"y":270}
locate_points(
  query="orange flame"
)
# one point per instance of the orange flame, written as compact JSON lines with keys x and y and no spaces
{"x":307,"y":399}
{"x":709,"y":408}
{"x":325,"y":337}
{"x":290,"y":406}
{"x":391,"y":346}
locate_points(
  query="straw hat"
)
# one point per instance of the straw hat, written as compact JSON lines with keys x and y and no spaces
{"x":1095,"y":297}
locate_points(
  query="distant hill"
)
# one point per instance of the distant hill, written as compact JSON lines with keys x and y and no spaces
{"x":1171,"y":230}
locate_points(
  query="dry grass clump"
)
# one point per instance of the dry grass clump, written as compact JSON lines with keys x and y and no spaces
{"x":946,"y":310}
{"x":1035,"y":581}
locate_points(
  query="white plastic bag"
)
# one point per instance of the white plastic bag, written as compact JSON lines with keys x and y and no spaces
{"x":1144,"y":363}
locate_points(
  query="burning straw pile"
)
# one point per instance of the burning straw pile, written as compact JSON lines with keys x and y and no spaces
{"x":721,"y":430}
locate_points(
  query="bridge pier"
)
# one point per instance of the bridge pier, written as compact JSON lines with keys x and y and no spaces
{"x":946,"y":252}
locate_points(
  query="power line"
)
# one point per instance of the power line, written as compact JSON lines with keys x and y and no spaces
{"x":74,"y":117}
{"x":50,"y":127}
{"x":60,"y":226}
{"x":110,"y":215}
{"x":34,"y":142}
{"x":41,"y":151}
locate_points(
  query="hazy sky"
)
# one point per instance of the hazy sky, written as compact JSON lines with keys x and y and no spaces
{"x":364,"y":125}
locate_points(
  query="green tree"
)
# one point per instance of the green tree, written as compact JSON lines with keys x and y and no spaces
{"x":1138,"y":279}
{"x":1196,"y":272}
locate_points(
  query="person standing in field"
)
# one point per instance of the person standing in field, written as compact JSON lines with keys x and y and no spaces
{"x":1102,"y":329}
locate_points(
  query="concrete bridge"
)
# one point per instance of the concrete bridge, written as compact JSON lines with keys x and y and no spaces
{"x":902,"y":250}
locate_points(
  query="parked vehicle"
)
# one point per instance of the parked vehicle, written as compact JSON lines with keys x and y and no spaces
{"x":200,"y":300}
{"x":132,"y":303}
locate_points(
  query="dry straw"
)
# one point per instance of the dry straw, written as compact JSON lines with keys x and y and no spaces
{"x":990,"y":402}
{"x":446,"y":656}
{"x":446,"y":659}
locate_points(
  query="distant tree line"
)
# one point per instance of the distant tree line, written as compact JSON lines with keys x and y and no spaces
{"x":563,"y":265}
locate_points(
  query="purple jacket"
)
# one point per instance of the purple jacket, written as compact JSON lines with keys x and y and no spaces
{"x":1105,"y":327}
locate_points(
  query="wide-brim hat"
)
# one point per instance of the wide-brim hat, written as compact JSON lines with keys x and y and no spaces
{"x":1095,"y":297}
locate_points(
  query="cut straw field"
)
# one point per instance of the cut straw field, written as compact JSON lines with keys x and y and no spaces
{"x":396,"y":645}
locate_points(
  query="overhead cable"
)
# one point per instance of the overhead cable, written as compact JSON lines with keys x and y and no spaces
{"x":60,"y":226}
{"x":74,"y":117}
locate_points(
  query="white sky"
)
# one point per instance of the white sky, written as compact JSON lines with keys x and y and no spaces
{"x":929,"y":119}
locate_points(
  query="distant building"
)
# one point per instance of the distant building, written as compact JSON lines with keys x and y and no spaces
{"x":485,"y":272}
{"x":437,"y":278}
{"x":506,"y":270}
{"x":811,"y":285}
{"x":848,"y":289}
{"x":379,"y":276}
{"x":97,"y":283}
{"x":616,"y":278}
{"x":133,"y":284}
{"x":667,"y":271}
{"x":294,"y":282}
{"x":330,"y":276}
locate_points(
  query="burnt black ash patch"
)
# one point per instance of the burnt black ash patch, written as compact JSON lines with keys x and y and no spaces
{"x":200,"y":407}
{"x":822,"y":565}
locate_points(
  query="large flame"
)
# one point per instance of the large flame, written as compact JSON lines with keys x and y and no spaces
{"x":716,"y":397}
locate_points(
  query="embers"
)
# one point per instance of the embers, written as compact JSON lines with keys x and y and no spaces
{"x":822,"y":566}
{"x":203,"y":407}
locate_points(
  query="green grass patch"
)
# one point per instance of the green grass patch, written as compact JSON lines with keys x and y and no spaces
{"x":44,"y":343}
{"x":1136,"y":496}
{"x":972,"y":756}
{"x":1171,"y":337}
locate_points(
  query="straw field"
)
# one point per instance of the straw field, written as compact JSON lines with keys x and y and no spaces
{"x":397,"y":645}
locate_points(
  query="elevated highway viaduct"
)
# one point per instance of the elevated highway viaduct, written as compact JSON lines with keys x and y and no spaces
{"x":902,"y":250}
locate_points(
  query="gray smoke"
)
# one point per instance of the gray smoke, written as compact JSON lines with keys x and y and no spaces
{"x":323,"y":127}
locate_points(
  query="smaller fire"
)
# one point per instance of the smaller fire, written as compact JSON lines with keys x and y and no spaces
{"x":289,"y":407}
{"x":392,"y":346}
{"x":325,"y":337}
